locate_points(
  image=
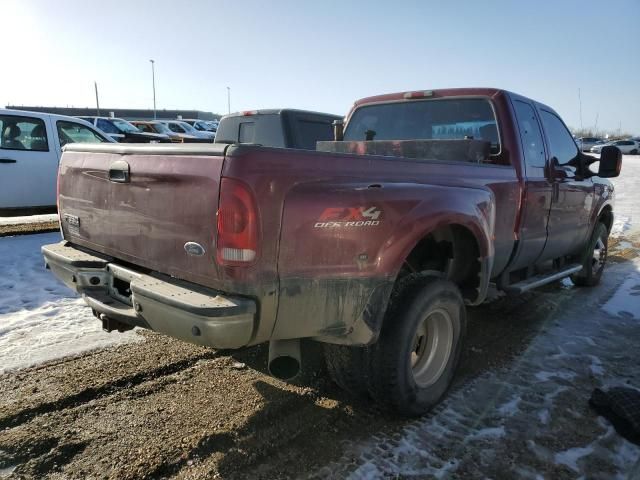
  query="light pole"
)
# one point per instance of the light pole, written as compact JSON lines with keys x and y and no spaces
{"x":228,"y":100}
{"x":153,"y":79}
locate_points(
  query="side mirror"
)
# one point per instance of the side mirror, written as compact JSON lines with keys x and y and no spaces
{"x":610,"y":162}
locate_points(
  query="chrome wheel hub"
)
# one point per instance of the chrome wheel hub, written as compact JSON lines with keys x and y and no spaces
{"x":432,"y":347}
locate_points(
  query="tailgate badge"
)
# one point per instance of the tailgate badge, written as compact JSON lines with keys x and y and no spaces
{"x":194,"y":249}
{"x":73,"y":224}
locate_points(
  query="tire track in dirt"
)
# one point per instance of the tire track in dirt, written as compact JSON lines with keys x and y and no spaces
{"x":109,"y":388}
{"x":162,"y":408}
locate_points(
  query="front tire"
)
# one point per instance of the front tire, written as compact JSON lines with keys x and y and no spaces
{"x":593,"y":258}
{"x":414,"y":360}
{"x":634,"y":151}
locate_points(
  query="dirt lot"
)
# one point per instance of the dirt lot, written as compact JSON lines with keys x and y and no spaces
{"x":161,"y":408}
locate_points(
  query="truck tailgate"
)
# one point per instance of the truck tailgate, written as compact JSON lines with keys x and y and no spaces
{"x":152,"y":206}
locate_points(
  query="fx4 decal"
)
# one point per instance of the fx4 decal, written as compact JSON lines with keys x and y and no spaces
{"x":349,"y":217}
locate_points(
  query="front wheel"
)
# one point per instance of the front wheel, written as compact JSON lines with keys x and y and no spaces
{"x":593,"y":258}
{"x":414,"y":360}
{"x":634,"y":151}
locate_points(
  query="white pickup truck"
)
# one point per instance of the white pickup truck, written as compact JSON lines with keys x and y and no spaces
{"x":30,"y":150}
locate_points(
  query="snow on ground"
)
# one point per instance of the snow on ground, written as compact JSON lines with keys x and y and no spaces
{"x":627,"y":201}
{"x":29,"y":220}
{"x":40,"y":318}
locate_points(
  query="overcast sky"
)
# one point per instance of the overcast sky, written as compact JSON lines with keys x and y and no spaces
{"x":321,"y":55}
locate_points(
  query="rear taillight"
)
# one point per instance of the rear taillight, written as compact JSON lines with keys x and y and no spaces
{"x":238,"y":229}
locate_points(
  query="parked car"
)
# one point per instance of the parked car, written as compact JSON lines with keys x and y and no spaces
{"x":201,"y":125}
{"x":30,"y":149}
{"x":285,"y":127}
{"x":438,"y":195}
{"x":625,"y":146}
{"x":159,"y":127}
{"x":585,"y":143}
{"x":178,"y":126}
{"x":124,"y":132}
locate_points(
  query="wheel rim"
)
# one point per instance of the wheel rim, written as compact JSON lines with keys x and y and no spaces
{"x":599,"y":256}
{"x":432,"y":346}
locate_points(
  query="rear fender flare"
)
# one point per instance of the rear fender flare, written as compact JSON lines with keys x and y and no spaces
{"x":473,"y":209}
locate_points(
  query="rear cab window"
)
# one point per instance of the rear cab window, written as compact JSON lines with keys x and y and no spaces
{"x":434,"y":119}
{"x":531,"y":137}
{"x":23,"y":133}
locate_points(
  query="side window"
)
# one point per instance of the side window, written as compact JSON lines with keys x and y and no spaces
{"x":530,"y":134}
{"x":106,"y":126}
{"x":311,"y":131}
{"x":560,"y":140}
{"x":23,"y":133}
{"x":247,"y":132}
{"x":71,"y":132}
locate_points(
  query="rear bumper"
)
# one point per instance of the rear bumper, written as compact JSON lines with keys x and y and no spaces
{"x":176,"y":308}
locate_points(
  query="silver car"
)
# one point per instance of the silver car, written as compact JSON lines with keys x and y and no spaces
{"x":178,"y":126}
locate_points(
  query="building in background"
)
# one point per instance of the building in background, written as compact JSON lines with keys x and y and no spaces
{"x":126,"y":113}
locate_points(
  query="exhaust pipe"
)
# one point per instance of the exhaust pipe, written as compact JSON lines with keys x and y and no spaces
{"x":284,"y":358}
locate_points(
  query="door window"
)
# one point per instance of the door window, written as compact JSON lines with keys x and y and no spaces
{"x":23,"y":133}
{"x":561,"y":143}
{"x":72,"y":132}
{"x":174,"y":127}
{"x":530,"y":135}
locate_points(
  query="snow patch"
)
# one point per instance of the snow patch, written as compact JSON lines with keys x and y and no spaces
{"x":544,"y":376}
{"x":625,"y":302}
{"x":510,"y":408}
{"x":571,"y":457}
{"x":40,"y":318}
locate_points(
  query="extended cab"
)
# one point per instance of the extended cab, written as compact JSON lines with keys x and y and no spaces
{"x":373,"y":246}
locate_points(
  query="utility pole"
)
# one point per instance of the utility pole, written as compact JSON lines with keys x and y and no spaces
{"x":153,"y":79}
{"x":228,"y":100}
{"x":580,"y":101}
{"x":95,"y":84}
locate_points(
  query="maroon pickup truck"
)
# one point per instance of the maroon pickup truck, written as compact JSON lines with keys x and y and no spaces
{"x":372,"y":245}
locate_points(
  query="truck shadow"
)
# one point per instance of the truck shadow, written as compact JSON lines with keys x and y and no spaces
{"x":282,"y":438}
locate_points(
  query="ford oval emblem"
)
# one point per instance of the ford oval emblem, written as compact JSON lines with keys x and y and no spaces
{"x":194,"y":249}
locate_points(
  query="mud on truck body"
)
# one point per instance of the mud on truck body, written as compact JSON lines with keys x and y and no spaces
{"x":374,"y":244}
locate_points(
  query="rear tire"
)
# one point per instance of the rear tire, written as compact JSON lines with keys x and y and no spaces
{"x":413,"y":363}
{"x":634,"y":151}
{"x":594,"y":258}
{"x":348,"y":367}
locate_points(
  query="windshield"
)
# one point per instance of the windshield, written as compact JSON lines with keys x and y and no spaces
{"x":176,"y":127}
{"x":124,"y":126}
{"x":161,"y":128}
{"x":188,"y":128}
{"x":451,"y":119}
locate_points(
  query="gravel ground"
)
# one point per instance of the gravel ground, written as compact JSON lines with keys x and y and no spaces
{"x":24,"y":229}
{"x":166,"y":409}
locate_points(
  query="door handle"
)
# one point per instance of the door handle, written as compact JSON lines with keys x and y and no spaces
{"x":7,"y":160}
{"x":119,"y":172}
